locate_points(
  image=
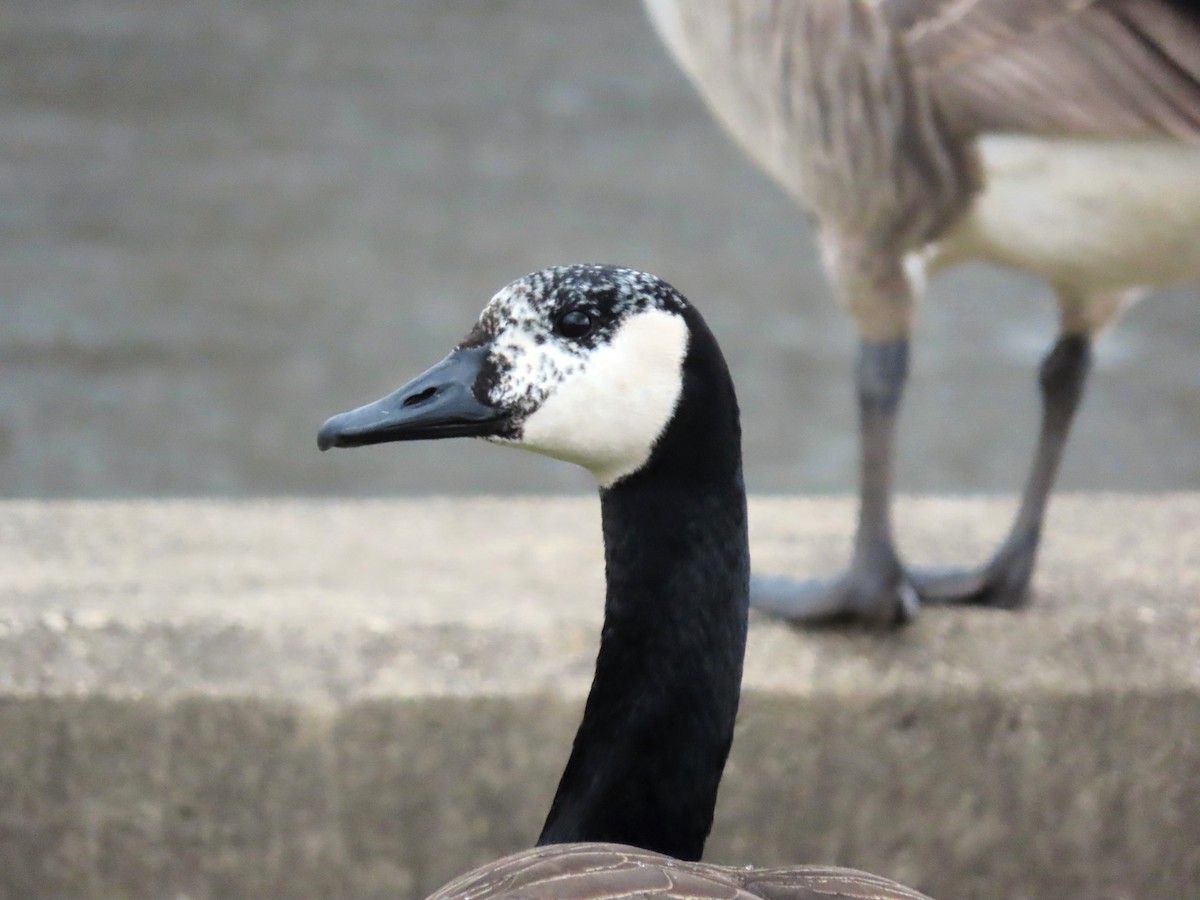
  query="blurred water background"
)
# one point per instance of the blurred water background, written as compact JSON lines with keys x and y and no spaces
{"x":222,"y":222}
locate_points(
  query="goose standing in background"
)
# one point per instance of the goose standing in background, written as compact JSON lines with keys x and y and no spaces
{"x":1061,"y":137}
{"x":613,"y":370}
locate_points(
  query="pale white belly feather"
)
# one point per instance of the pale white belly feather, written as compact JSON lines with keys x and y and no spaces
{"x":1086,"y":214}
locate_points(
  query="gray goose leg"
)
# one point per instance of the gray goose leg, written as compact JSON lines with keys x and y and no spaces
{"x":884,"y":177}
{"x":1003,"y":581}
{"x":874,"y":590}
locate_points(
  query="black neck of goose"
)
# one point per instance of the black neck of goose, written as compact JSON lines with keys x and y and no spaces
{"x":658,"y":724}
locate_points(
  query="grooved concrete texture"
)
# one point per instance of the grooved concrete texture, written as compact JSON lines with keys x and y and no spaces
{"x":359,"y":699}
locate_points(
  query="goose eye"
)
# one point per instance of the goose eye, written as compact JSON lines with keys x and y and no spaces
{"x":574,"y":324}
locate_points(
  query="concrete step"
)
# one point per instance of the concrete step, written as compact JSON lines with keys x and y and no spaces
{"x":294,"y":698}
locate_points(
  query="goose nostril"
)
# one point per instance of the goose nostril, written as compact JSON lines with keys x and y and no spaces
{"x":420,"y":398}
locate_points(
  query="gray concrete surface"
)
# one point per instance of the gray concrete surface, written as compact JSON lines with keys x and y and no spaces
{"x":359,"y":699}
{"x":222,"y":222}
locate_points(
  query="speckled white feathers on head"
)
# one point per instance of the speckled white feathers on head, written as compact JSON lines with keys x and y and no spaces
{"x":600,"y":399}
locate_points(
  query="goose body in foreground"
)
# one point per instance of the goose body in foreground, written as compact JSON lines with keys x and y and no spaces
{"x":617,"y":872}
{"x":1061,"y":138}
{"x":614,"y":370}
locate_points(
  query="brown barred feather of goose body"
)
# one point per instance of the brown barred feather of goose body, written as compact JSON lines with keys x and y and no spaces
{"x":1061,"y":68}
{"x":615,"y":872}
{"x":868,"y":111}
{"x":865,"y":109}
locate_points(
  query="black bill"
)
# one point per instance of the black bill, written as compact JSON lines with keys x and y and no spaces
{"x":439,"y":403}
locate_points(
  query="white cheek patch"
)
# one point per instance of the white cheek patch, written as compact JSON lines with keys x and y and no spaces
{"x":607,"y":415}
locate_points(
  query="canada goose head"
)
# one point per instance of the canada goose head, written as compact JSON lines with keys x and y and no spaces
{"x":582,"y":363}
{"x":612,"y":369}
